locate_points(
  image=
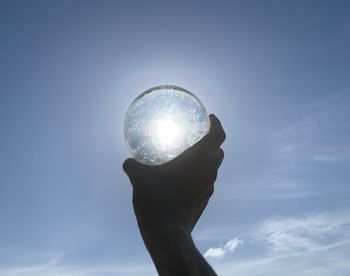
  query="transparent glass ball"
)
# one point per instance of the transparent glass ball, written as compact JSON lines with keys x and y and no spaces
{"x":163,"y":122}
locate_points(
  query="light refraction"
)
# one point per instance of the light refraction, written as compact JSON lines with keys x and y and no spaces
{"x":163,"y":122}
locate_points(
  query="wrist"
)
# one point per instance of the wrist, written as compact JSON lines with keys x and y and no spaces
{"x":170,"y":246}
{"x":173,"y":250}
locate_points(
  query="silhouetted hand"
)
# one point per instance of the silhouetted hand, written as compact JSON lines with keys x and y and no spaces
{"x":169,"y":199}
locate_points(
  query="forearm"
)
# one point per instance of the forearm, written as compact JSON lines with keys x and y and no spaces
{"x":173,"y":250}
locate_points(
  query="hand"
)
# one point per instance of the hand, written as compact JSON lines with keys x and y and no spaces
{"x":180,"y":189}
{"x":169,"y":199}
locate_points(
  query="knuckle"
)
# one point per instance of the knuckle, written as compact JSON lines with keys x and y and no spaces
{"x":211,"y":191}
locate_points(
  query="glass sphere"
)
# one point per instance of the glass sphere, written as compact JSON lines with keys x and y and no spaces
{"x":163,"y":122}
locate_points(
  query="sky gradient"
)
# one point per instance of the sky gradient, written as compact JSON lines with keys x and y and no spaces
{"x":276,"y":73}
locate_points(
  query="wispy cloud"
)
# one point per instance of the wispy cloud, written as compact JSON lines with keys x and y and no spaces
{"x":315,"y":244}
{"x":220,"y":252}
{"x":303,"y":155}
{"x":271,"y":187}
{"x":61,"y":264}
{"x":231,"y":245}
{"x":55,"y":268}
{"x":321,"y":132}
{"x":309,"y":233}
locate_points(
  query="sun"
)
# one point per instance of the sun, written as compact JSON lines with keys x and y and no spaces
{"x":166,"y":132}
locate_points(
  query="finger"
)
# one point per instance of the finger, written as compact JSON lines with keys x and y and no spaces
{"x":198,"y":213}
{"x":132,"y":168}
{"x":204,"y":180}
{"x":216,"y":159}
{"x":202,"y":205}
{"x":213,"y":139}
{"x":209,"y":143}
{"x":207,"y":173}
{"x":207,"y":194}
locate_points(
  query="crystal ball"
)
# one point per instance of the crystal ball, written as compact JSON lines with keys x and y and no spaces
{"x":163,"y":122}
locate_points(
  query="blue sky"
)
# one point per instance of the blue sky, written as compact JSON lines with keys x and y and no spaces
{"x":275,"y":72}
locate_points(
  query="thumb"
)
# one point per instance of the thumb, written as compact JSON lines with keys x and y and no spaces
{"x":132,"y":168}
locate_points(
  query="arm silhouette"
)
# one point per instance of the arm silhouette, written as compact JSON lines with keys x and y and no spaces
{"x":169,"y":199}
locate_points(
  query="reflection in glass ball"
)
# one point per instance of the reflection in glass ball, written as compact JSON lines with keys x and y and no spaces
{"x":163,"y":122}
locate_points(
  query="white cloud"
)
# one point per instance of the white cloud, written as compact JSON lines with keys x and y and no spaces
{"x":219,"y":252}
{"x":215,"y":252}
{"x":231,"y":245}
